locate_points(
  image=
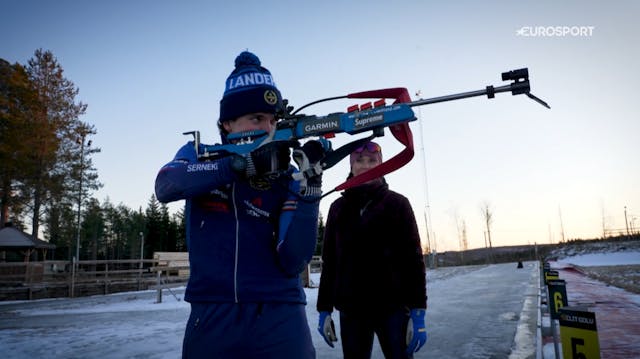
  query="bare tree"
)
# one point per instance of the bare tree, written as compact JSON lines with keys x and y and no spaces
{"x":487,"y":215}
{"x":461,"y":229}
{"x":462,"y":238}
{"x":465,"y":242}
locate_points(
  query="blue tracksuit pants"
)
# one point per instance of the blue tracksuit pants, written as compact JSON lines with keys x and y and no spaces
{"x":247,"y":330}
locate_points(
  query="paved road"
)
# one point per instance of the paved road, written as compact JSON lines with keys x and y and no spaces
{"x":475,"y":315}
{"x":474,"y":312}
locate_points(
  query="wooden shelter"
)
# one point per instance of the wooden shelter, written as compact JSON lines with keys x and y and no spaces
{"x":14,"y":240}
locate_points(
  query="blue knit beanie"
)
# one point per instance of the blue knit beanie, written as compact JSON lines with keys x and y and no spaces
{"x":250,"y":88}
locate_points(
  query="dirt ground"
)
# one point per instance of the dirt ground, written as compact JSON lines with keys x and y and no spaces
{"x":626,"y":277}
{"x":617,"y":310}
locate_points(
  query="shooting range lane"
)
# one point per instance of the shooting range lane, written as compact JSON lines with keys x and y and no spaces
{"x":476,"y":314}
{"x":617,"y":314}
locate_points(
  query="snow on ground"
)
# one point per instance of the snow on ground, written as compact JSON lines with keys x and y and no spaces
{"x":617,"y":252}
{"x":119,"y":302}
{"x":472,"y":310}
{"x":603,"y":259}
{"x":133,"y":325}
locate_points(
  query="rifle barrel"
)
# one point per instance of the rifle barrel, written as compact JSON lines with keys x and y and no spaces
{"x":458,"y":96}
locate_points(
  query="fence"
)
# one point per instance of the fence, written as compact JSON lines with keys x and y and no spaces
{"x":168,"y":266}
{"x":52,"y":279}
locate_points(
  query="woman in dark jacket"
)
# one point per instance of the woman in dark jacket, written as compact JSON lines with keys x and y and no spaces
{"x":373,"y":270}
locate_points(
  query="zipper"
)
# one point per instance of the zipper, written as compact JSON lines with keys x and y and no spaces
{"x":235,"y":265}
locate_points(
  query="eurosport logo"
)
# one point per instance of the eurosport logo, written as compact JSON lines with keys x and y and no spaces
{"x":555,"y":31}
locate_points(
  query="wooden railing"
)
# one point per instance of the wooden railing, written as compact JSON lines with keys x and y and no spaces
{"x":170,"y":264}
{"x":48,"y":279}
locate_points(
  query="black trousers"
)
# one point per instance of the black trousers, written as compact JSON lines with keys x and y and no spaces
{"x":357,"y":330}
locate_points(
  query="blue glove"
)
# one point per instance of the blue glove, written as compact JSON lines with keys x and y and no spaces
{"x":327,"y":329}
{"x":416,"y":331}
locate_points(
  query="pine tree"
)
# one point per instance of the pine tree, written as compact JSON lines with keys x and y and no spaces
{"x":155,"y":225}
{"x":59,"y":157}
{"x":18,"y":103}
{"x":61,"y":231}
{"x":181,"y":234}
{"x":93,"y":231}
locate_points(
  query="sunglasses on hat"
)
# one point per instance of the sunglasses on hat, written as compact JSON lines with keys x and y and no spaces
{"x":369,"y":146}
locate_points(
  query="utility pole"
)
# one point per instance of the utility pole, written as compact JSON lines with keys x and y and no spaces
{"x":83,"y":134}
{"x":604,"y":226}
{"x":76,"y":259}
{"x":626,"y":221}
{"x":427,"y":208}
{"x":561,"y":224}
{"x":141,"y":248}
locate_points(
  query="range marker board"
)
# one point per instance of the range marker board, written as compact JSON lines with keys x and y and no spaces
{"x":557,"y":297}
{"x":579,"y":334}
{"x":551,"y":275}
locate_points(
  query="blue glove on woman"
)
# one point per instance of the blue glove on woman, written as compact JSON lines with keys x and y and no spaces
{"x":416,"y":331}
{"x":326,"y":328}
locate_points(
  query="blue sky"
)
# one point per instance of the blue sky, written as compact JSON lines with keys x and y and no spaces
{"x":150,"y":70}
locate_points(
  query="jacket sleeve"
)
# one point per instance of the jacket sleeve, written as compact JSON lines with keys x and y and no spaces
{"x":415,"y":272}
{"x":325,"y":301}
{"x":185,"y":176}
{"x":298,"y":229}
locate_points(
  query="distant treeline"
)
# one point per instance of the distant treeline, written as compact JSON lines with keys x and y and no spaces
{"x":47,"y":175}
{"x":508,"y":254}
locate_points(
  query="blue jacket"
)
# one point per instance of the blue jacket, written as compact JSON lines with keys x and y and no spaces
{"x":247,"y":240}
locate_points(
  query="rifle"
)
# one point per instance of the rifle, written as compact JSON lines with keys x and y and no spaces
{"x":374,"y":117}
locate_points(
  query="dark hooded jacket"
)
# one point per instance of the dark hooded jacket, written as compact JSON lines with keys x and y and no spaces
{"x":372,"y":258}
